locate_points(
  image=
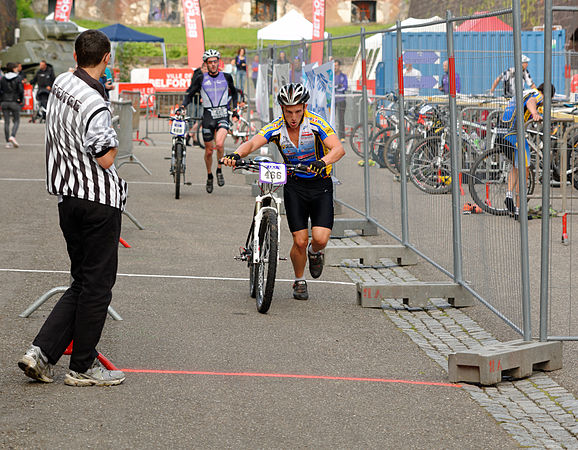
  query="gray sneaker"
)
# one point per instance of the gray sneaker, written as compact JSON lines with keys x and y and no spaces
{"x":300,"y":290}
{"x":96,"y":375}
{"x":316,"y":262}
{"x":220,"y":179}
{"x":35,"y":365}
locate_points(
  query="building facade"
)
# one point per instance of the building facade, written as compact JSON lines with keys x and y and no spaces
{"x":231,"y":13}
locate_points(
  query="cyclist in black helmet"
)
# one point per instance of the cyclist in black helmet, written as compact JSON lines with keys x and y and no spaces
{"x":306,"y":138}
{"x":218,"y":94}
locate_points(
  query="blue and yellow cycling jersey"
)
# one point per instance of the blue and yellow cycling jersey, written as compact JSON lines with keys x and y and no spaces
{"x":510,"y":116}
{"x":312,"y":131}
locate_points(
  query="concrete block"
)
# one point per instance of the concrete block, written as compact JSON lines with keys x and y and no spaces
{"x":417,"y":293}
{"x":366,"y":227}
{"x":370,"y":254}
{"x":517,"y":359}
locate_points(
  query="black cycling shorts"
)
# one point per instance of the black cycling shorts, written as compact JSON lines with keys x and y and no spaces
{"x":308,"y":199}
{"x":210,"y":126}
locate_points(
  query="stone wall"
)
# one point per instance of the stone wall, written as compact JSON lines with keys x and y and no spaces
{"x":532,"y":10}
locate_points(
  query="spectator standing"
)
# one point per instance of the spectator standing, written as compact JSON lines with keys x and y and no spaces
{"x":509,"y":79}
{"x":296,"y":71}
{"x":12,"y":99}
{"x":413,"y":74}
{"x":255,"y":70}
{"x":81,"y":146}
{"x":445,"y":84}
{"x":197,"y":111}
{"x":340,"y":101}
{"x":106,"y":81}
{"x":241,"y":63}
{"x":43,"y":78}
{"x":282,"y":58}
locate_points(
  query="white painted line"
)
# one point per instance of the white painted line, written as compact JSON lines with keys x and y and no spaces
{"x":131,"y":182}
{"x":181,"y":277}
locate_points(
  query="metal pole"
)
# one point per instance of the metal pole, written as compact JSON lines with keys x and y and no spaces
{"x":364,"y":122}
{"x":523,"y":207}
{"x":329,"y":47}
{"x":401,"y":146}
{"x":545,"y":245}
{"x":454,"y":153}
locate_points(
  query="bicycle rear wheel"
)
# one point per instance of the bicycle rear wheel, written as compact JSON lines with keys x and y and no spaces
{"x":429,"y":166}
{"x":178,"y":168}
{"x":488,"y":181}
{"x":199,"y":134}
{"x":356,"y":137}
{"x":266,"y":268}
{"x":378,"y":145}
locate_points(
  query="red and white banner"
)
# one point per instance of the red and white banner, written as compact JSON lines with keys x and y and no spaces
{"x":146,"y":92}
{"x":170,"y":79}
{"x":194,"y":31}
{"x":318,"y":31}
{"x":62,"y":10}
{"x":28,"y":98}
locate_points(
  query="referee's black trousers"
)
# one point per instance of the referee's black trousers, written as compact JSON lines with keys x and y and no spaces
{"x":92,"y":232}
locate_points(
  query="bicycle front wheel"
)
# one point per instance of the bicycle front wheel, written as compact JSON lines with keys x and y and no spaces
{"x":267,"y":265}
{"x":178,"y":168}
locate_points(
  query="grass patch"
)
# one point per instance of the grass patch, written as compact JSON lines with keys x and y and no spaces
{"x":226,"y":40}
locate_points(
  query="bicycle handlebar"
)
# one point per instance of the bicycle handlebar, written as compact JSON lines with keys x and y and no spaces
{"x":169,"y":117}
{"x":254,"y":165}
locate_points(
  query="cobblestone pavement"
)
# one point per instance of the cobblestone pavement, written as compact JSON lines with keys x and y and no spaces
{"x":536,"y":411}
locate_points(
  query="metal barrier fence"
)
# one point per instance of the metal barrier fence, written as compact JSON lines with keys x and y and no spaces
{"x":444,"y":195}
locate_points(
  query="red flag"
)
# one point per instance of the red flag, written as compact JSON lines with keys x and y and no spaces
{"x":318,"y":30}
{"x":62,"y":10}
{"x":194,"y":30}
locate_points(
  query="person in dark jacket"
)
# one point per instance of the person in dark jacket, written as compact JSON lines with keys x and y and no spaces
{"x":12,"y":98}
{"x":43,"y":79}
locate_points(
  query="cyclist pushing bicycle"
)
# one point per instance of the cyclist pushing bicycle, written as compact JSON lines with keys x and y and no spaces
{"x":217,"y":92}
{"x":302,"y":138}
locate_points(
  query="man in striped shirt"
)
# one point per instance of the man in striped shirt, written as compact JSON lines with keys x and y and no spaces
{"x":81,"y":146}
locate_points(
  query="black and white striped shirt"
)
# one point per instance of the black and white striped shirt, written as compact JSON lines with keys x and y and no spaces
{"x":79,"y":130}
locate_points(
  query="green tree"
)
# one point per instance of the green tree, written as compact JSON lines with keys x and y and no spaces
{"x":24,"y":9}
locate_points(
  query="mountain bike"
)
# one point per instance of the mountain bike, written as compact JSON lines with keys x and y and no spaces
{"x":261,"y":250}
{"x":178,"y":130}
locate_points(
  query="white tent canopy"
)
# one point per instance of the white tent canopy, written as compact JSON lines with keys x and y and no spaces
{"x":291,"y":27}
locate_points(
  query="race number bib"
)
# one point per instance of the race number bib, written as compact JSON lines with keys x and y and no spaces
{"x":273,"y":173}
{"x":178,"y":128}
{"x":219,"y":112}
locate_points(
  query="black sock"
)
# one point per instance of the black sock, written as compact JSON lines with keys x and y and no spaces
{"x":219,"y":170}
{"x":210,"y":176}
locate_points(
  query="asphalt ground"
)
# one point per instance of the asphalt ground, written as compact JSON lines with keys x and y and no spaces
{"x":204,"y":368}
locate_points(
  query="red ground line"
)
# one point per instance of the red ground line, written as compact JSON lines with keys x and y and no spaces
{"x":287,"y":375}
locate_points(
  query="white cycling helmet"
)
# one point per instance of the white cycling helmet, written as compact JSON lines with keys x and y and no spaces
{"x":211,"y":54}
{"x":525,"y":59}
{"x":292,"y":94}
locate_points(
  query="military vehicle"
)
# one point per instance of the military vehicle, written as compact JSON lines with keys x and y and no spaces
{"x":39,"y":40}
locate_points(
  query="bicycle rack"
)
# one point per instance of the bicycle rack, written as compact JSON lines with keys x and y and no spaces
{"x":52,"y":292}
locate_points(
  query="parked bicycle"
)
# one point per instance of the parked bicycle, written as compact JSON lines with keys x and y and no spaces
{"x":178,"y":130}
{"x":261,"y":250}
